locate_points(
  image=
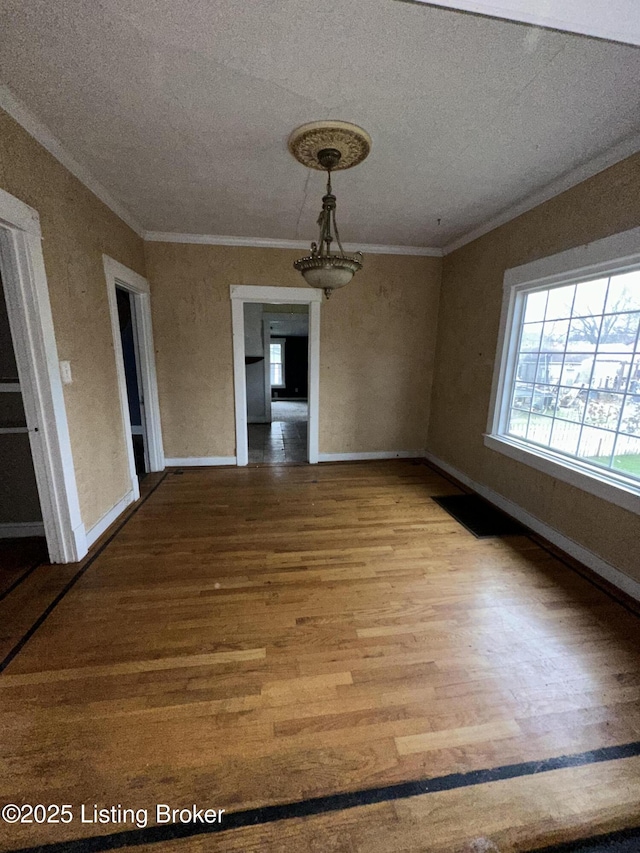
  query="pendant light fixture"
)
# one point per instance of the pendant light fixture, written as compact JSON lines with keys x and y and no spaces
{"x":329,"y":146}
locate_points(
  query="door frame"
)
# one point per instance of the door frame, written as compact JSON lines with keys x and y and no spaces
{"x":241,"y":294}
{"x":31,"y":323}
{"x":118,"y":275}
{"x":266,"y":337}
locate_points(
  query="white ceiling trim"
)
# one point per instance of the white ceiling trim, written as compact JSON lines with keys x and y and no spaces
{"x":34,"y":127}
{"x":271,"y":243}
{"x":615,"y":20}
{"x":613,"y":155}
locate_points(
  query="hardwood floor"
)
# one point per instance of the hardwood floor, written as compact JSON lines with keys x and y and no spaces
{"x":263,"y":636}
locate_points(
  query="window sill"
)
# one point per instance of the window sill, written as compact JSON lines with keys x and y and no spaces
{"x":608,"y":485}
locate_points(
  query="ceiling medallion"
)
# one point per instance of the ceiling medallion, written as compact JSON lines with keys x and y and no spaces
{"x":329,"y":146}
{"x":353,"y":143}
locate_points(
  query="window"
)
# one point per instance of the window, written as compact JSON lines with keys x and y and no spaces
{"x":569,"y":387}
{"x":276,"y":356}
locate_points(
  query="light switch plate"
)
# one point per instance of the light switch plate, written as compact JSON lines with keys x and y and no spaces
{"x":65,"y":372}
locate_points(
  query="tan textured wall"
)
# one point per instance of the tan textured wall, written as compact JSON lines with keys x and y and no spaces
{"x":376,"y":347}
{"x":77,"y":229}
{"x":467,"y":339}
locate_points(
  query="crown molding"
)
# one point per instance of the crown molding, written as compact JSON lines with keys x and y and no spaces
{"x":35,"y":128}
{"x":618,"y":152}
{"x":272,"y":243}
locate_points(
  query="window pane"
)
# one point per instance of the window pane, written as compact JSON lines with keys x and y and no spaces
{"x":276,"y":374}
{"x":535,"y":306}
{"x":544,"y":399}
{"x":275,"y":351}
{"x":565,"y":436}
{"x":522,"y":394}
{"x":584,"y":333}
{"x":518,"y":421}
{"x":624,"y":293}
{"x":619,"y":331}
{"x":603,"y":410}
{"x":531,"y":334}
{"x":630,"y":422}
{"x":526,"y":369}
{"x":611,"y":372}
{"x":596,"y":445}
{"x":554,"y":336}
{"x":626,"y":457}
{"x":560,"y":302}
{"x":633,"y":386}
{"x":577,"y":369}
{"x":539,"y":429}
{"x":549,"y":368}
{"x":571,"y":404}
{"x":590,"y":296}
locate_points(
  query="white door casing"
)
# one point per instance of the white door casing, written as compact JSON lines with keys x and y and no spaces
{"x":118,"y":275}
{"x":29,"y":311}
{"x":241,"y":294}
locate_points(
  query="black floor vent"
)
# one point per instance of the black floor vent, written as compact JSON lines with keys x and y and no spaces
{"x":479,"y":517}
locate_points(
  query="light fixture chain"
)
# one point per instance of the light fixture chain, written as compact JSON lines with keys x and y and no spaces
{"x":335,"y":229}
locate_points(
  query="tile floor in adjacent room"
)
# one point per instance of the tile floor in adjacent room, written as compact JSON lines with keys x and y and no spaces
{"x":284,"y":440}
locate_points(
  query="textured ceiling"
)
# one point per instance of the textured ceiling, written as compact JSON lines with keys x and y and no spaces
{"x":618,"y":20}
{"x":182,"y":110}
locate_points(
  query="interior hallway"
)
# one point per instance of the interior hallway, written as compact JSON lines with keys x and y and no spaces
{"x":284,"y":440}
{"x":261,"y":636}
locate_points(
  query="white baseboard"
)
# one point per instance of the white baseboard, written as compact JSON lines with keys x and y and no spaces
{"x":378,"y":454}
{"x":569,"y":546}
{"x":199,"y":461}
{"x":108,"y":518}
{"x":21,"y":530}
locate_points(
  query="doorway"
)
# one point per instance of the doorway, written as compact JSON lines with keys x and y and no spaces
{"x":273,"y":305}
{"x":40,"y":413}
{"x":277,"y":381}
{"x":21,"y":528}
{"x":131,"y":360}
{"x":130,"y":308}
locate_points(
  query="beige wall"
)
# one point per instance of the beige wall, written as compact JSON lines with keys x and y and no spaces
{"x":376,"y":347}
{"x":77,"y":228}
{"x":467,"y":338}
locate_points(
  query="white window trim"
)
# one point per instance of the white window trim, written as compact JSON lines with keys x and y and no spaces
{"x":611,"y":255}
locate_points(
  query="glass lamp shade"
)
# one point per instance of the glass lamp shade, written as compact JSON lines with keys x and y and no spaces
{"x":328,"y":273}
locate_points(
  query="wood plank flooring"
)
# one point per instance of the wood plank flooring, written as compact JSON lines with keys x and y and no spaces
{"x":261,"y":636}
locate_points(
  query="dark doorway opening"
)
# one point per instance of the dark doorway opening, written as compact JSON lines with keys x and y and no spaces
{"x":21,"y":529}
{"x":130,"y":356}
{"x":277,"y":382}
